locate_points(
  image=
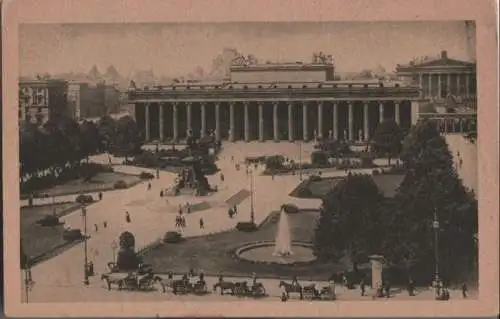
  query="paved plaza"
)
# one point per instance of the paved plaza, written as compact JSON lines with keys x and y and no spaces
{"x":61,"y":278}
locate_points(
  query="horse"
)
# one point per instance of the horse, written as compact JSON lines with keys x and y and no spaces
{"x":291,"y":288}
{"x":120,"y":282}
{"x":311,"y":290}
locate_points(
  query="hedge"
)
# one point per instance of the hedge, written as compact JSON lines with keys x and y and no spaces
{"x":120,"y":184}
{"x":246,"y":226}
{"x":172,"y":237}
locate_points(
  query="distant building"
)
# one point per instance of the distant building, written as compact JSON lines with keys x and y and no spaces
{"x":448,"y":90}
{"x":41,"y":100}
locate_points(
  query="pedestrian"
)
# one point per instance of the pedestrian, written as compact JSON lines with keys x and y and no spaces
{"x":149,"y":186}
{"x":464,"y":290}
{"x":180,"y":209}
{"x":387,"y":289}
{"x":460,"y":162}
{"x":221,"y":177}
{"x":100,"y":195}
{"x":202,"y":224}
{"x":183,"y":222}
{"x":127,"y":217}
{"x":235,"y":209}
{"x":362,"y":287}
{"x":188,"y":208}
{"x":91,"y":268}
{"x":96,"y":228}
{"x":161,"y":193}
{"x":411,"y":287}
{"x":105,"y":224}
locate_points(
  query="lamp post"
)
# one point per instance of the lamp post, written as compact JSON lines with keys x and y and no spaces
{"x":158,"y":160}
{"x":85,"y":265}
{"x":300,"y":159}
{"x":252,"y":212}
{"x":435,"y":226}
{"x":27,"y":280}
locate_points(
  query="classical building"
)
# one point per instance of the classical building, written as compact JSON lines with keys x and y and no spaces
{"x":42,"y":99}
{"x":287,"y":101}
{"x":448,"y":91}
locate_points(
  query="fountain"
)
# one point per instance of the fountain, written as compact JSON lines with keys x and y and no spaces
{"x":280,"y":251}
{"x":283,"y":243}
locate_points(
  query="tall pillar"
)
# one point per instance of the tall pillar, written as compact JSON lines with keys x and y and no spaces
{"x":305,"y":135}
{"x":174,"y":122}
{"x":188,"y":116}
{"x":421,"y":84}
{"x":351,"y":122}
{"x":430,"y":86}
{"x":261,"y":121}
{"x":247,"y":122}
{"x":290,"y":122}
{"x":320,"y":119}
{"x":414,"y":112}
{"x":231,"y":122}
{"x":275,"y":122}
{"x":335,"y":121}
{"x":147,"y":126}
{"x":458,"y":85}
{"x":397,"y":116}
{"x":366,"y":126}
{"x":203,"y":119}
{"x":439,"y":86}
{"x":467,"y":84}
{"x":217,"y":121}
{"x":448,"y":83}
{"x":160,"y":114}
{"x":381,"y":112}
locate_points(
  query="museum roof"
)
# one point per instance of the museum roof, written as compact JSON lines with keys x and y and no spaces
{"x":296,"y":66}
{"x":442,"y":62}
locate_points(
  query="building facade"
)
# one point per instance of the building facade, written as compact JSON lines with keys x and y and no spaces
{"x":273,"y":102}
{"x":449,"y":86}
{"x":42,"y":100}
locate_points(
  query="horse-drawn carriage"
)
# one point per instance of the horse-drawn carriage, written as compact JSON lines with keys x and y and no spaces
{"x":141,"y":279}
{"x":241,"y":289}
{"x":185,"y":285}
{"x":309,"y":292}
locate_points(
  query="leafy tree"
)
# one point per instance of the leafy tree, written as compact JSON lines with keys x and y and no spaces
{"x":275,"y":162}
{"x":90,"y":139}
{"x":127,"y":258}
{"x":350,"y":218}
{"x":128,"y":138}
{"x":126,"y":240}
{"x":387,"y":140}
{"x":107,"y":131}
{"x":431,"y":187}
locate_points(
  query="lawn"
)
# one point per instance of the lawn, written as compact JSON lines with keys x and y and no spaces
{"x":38,"y":241}
{"x":214,"y":254}
{"x":99,"y":183}
{"x":387,"y":183}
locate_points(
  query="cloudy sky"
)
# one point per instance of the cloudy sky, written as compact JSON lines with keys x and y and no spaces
{"x":176,"y":49}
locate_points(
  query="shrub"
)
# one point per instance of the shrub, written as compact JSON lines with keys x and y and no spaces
{"x":375,"y":172}
{"x":84,"y":199}
{"x":146,"y":175}
{"x":290,"y":208}
{"x":319,"y":158}
{"x":126,"y":240}
{"x":172,"y":237}
{"x":246,"y":226}
{"x":275,"y":162}
{"x":127,"y":260}
{"x":49,"y":220}
{"x":72,"y":234}
{"x":120,"y":184}
{"x":314,"y":178}
{"x":305,"y":192}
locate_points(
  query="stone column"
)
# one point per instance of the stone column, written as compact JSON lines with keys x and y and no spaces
{"x":160,"y":114}
{"x":430,"y":85}
{"x":174,"y":122}
{"x":366,"y":122}
{"x":351,"y":122}
{"x":290,"y":122}
{"x":247,"y":122}
{"x":217,"y":121}
{"x":448,"y":83}
{"x":305,"y":135}
{"x":335,"y":121}
{"x":467,"y":83}
{"x":147,"y":126}
{"x":458,"y":85}
{"x":397,"y":113}
{"x":414,"y":112}
{"x":421,"y":84}
{"x":261,"y":121}
{"x":439,"y":86}
{"x":275,"y":122}
{"x":203,"y":119}
{"x":188,"y":116}
{"x":320,"y":119}
{"x":381,"y":112}
{"x":231,"y":122}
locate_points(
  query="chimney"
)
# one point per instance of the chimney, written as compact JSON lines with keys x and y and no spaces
{"x":444,"y":55}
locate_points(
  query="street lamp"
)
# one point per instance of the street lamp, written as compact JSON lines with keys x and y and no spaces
{"x":435,"y":226}
{"x":85,"y":265}
{"x":252,"y":212}
{"x":28,"y":281}
{"x":158,"y":161}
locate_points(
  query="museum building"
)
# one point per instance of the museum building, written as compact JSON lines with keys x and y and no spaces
{"x":286,"y":101}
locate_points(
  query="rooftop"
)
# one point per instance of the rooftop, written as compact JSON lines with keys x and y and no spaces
{"x":443,"y":61}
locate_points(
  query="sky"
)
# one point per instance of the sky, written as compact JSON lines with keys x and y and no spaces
{"x":178,"y":48}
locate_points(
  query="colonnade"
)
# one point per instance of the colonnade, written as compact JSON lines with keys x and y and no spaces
{"x":348,"y":133}
{"x":463,"y":80}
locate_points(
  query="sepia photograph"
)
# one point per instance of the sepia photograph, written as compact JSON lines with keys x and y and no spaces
{"x":270,"y":161}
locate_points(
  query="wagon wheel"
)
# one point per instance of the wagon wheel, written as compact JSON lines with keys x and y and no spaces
{"x":261,"y":291}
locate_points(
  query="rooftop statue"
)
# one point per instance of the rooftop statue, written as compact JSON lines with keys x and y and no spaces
{"x":321,"y":58}
{"x":241,"y":60}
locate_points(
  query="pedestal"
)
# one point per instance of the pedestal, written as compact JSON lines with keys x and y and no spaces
{"x":377,"y":267}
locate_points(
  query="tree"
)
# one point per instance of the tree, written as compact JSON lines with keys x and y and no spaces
{"x":275,"y":162}
{"x":107,"y":131}
{"x":127,"y":259}
{"x":350,"y":218}
{"x":127,"y":138}
{"x":90,"y":139}
{"x":126,"y":240}
{"x":431,"y":186}
{"x":387,"y":140}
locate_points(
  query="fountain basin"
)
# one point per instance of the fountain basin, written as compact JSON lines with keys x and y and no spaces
{"x":263,"y":253}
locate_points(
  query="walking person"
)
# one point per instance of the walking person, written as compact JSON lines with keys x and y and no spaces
{"x":127,"y":217}
{"x":180,"y":209}
{"x":202,"y":223}
{"x":362,"y":287}
{"x":161,"y":193}
{"x":183,"y":222}
{"x":188,"y":208}
{"x":149,"y":186}
{"x":221,"y":177}
{"x":104,"y":224}
{"x":387,"y":289}
{"x":464,"y":290}
{"x":100,"y":195}
{"x":96,"y":228}
{"x":411,"y":287}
